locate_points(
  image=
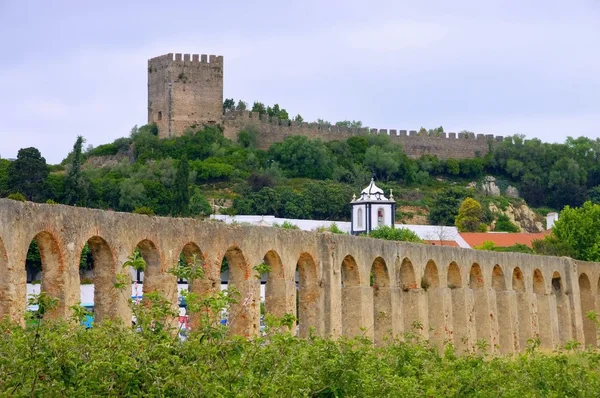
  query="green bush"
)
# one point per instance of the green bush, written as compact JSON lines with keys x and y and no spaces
{"x":144,"y":210}
{"x":503,"y":224}
{"x":17,"y":196}
{"x":333,"y":228}
{"x":286,"y":225}
{"x":154,"y":358}
{"x":104,"y":150}
{"x":390,"y":233}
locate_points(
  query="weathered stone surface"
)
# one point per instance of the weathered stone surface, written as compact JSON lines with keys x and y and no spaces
{"x":489,"y":187}
{"x":522,"y":216}
{"x":186,"y":91}
{"x":512,"y":192}
{"x":440,"y":292}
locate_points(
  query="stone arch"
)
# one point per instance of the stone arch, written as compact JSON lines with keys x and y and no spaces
{"x":539,"y":286}
{"x":542,"y":323}
{"x":243,"y":317}
{"x":503,"y":313}
{"x":108,"y":302}
{"x":498,"y":280}
{"x":409,"y":294}
{"x":523,"y":310}
{"x":562,"y":308}
{"x":588,"y":303}
{"x":476,"y":277}
{"x":454,"y":280}
{"x":309,"y":296}
{"x":406,"y":275}
{"x":350,"y":273}
{"x":518,"y":280}
{"x":382,"y":300}
{"x":53,"y":272}
{"x":152,"y":273}
{"x":279,"y":292}
{"x":435,"y":304}
{"x":460,"y":329}
{"x":351,"y":298}
{"x":190,"y":252}
{"x":482,"y":308}
{"x":431,"y":276}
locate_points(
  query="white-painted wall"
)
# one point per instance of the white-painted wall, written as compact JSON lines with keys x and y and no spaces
{"x":426,"y":232}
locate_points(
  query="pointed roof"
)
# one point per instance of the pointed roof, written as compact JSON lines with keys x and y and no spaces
{"x":372,"y":193}
{"x":372,"y":189}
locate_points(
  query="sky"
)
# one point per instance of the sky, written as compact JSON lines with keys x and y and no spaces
{"x":70,"y":68}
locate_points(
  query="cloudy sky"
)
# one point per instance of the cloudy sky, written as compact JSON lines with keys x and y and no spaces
{"x":495,"y":67}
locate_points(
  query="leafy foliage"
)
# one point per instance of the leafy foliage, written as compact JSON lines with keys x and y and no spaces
{"x":445,"y":206}
{"x":579,"y":230}
{"x":516,"y":248}
{"x":470,"y":216}
{"x":27,"y":174}
{"x":391,"y":233}
{"x":503,"y":224}
{"x":76,"y":187}
{"x":154,"y":358}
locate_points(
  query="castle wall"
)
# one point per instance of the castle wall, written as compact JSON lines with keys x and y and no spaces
{"x":444,"y":145}
{"x":447,"y":295}
{"x":184,"y":90}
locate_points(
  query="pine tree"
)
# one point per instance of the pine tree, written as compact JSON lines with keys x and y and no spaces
{"x":76,"y":188}
{"x":181,"y":201}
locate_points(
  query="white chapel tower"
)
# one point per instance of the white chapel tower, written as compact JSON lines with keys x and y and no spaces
{"x":372,"y":210}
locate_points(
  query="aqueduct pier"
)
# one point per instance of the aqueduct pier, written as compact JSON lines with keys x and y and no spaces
{"x":345,"y":285}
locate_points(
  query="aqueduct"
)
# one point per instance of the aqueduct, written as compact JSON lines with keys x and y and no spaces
{"x":345,"y":285}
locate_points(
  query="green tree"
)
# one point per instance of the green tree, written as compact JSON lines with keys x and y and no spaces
{"x":199,"y":206}
{"x":132,"y":194}
{"x":503,"y":224}
{"x":470,"y":216}
{"x":181,"y":199}
{"x":302,"y":157}
{"x":391,"y":233}
{"x":550,"y":245}
{"x":76,"y":186}
{"x":579,"y":229}
{"x":445,"y":205}
{"x":354,"y":124}
{"x":228,"y":105}
{"x":259,"y":107}
{"x":27,"y":174}
{"x":241,"y":106}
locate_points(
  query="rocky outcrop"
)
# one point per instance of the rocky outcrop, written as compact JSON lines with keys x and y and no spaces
{"x":489,"y":187}
{"x":522,"y":216}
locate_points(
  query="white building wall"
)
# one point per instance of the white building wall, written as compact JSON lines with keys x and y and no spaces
{"x":426,"y":232}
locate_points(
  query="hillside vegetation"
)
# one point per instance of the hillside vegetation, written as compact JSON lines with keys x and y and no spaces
{"x":299,"y":177}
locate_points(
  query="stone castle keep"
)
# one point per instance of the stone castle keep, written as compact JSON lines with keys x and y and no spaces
{"x":449,"y":294}
{"x":187,"y":89}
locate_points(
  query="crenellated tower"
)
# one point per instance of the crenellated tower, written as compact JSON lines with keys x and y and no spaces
{"x":184,"y":90}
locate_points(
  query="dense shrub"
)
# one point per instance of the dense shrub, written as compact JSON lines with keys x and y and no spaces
{"x":391,"y":233}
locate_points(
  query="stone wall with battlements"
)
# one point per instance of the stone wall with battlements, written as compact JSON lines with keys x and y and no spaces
{"x":344,"y":285}
{"x":187,"y":90}
{"x":444,"y":145}
{"x":184,"y":90}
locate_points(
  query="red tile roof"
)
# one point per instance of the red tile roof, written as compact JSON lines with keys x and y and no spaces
{"x":502,"y":239}
{"x":450,"y":243}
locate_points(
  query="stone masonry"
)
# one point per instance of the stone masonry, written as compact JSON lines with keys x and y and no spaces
{"x":187,"y":90}
{"x":184,"y":91}
{"x":445,"y":294}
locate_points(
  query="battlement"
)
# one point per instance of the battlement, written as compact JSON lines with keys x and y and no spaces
{"x":185,"y":60}
{"x":187,"y":90}
{"x":333,"y":132}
